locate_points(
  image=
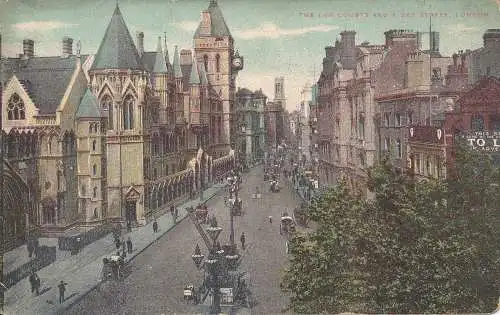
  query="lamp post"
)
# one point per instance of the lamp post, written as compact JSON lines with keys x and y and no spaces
{"x":218,"y":263}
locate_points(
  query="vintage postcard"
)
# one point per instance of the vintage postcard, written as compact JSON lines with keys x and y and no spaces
{"x":249,"y":157}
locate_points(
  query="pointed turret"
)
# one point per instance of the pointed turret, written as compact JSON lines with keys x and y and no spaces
{"x":160,"y":65}
{"x":177,"y":64}
{"x":203,"y":74}
{"x":212,"y":22}
{"x":194,"y":78}
{"x":117,"y":49}
{"x":89,"y":107}
{"x":167,"y":57}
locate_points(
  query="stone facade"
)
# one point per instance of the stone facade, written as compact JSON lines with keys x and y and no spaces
{"x":251,"y":135}
{"x":346,"y":112}
{"x":484,"y":61}
{"x":274,"y":116}
{"x":413,"y":88}
{"x":116,"y":136}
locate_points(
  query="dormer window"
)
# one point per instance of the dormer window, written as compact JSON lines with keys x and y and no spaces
{"x":15,"y":107}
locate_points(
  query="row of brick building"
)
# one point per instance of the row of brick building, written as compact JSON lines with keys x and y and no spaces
{"x":382,"y":100}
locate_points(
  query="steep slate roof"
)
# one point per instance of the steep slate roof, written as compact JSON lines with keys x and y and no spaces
{"x":45,"y":79}
{"x":148,"y":60}
{"x":218,"y":24}
{"x":160,"y":65}
{"x":178,"y":72}
{"x":89,"y":107}
{"x":194,"y":77}
{"x":117,"y":49}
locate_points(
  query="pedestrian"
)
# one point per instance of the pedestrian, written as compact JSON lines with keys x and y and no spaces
{"x":176,"y":213}
{"x":62,"y":288}
{"x":124,"y":251}
{"x":35,"y":282}
{"x":129,"y":245}
{"x":242,"y":239}
{"x":129,"y":226}
{"x":270,"y":219}
{"x":155,"y":226}
{"x":30,"y":248}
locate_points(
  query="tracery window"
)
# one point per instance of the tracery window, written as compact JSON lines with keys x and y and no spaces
{"x":128,"y":113}
{"x":205,"y":62}
{"x":217,"y":63}
{"x":107,"y":104}
{"x":15,"y":107}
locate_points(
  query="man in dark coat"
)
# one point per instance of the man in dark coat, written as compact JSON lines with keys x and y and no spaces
{"x":155,"y":226}
{"x":62,"y":288}
{"x":35,"y":282}
{"x":129,"y":245}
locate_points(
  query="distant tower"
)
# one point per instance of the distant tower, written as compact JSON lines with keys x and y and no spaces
{"x":279,"y":91}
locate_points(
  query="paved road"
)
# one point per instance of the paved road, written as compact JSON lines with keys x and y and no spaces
{"x":158,"y":275}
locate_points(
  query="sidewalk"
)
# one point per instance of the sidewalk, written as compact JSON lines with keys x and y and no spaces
{"x":82,"y":272}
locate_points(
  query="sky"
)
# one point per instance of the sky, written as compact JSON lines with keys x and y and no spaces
{"x":276,"y":37}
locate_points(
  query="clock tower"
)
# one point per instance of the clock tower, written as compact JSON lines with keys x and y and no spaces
{"x":214,"y":47}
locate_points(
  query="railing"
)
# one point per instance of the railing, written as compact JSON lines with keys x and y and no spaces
{"x":45,"y":120}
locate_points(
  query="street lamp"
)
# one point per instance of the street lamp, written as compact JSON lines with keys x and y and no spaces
{"x":219,"y":263}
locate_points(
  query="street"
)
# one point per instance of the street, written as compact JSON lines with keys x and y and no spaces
{"x":156,"y":278}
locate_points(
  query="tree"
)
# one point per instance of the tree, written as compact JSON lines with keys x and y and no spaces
{"x":417,"y":247}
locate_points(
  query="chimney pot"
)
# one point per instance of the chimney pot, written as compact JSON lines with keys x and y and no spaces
{"x":140,"y":43}
{"x":28,"y":48}
{"x":67,"y":46}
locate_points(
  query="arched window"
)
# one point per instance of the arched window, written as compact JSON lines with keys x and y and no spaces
{"x":91,"y":128}
{"x":83,"y":190}
{"x":205,"y":62}
{"x":107,"y":104}
{"x":477,"y":123}
{"x":128,"y":112}
{"x":94,"y":170}
{"x":15,"y":108}
{"x":94,"y":194}
{"x":96,"y":213}
{"x":94,"y":145}
{"x":217,"y":63}
{"x":399,"y":152}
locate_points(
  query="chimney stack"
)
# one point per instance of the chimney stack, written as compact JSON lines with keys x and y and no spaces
{"x":28,"y":48}
{"x":186,"y":57}
{"x":140,"y":44}
{"x":67,"y":46}
{"x":434,"y":42}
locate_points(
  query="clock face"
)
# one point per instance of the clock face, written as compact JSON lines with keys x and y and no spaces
{"x":237,"y":62}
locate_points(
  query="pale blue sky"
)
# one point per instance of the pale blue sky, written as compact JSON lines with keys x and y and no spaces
{"x":276,"y":37}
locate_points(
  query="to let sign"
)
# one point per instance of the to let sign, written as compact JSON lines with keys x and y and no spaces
{"x":483,"y":141}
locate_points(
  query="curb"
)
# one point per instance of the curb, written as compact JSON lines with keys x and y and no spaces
{"x":132,"y":256}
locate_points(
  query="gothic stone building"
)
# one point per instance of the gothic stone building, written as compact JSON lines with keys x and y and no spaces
{"x":118,"y":135}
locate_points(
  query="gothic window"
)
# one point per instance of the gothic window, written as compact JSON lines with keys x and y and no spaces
{"x":477,"y":123}
{"x":96,"y":214}
{"x":83,"y":190}
{"x":91,"y":128}
{"x":107,"y":104}
{"x":94,"y":170}
{"x":94,"y":193}
{"x":217,"y":63}
{"x":205,"y":62}
{"x":94,"y":144}
{"x":15,"y":108}
{"x":128,"y":112}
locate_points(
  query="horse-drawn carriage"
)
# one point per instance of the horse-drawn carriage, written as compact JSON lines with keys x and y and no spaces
{"x":112,"y":268}
{"x":202,"y":214}
{"x":274,"y":186}
{"x":287,"y":224}
{"x":236,"y":206}
{"x":190,"y":294}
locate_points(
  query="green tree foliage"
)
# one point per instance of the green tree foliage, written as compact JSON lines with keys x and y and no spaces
{"x":416,"y":247}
